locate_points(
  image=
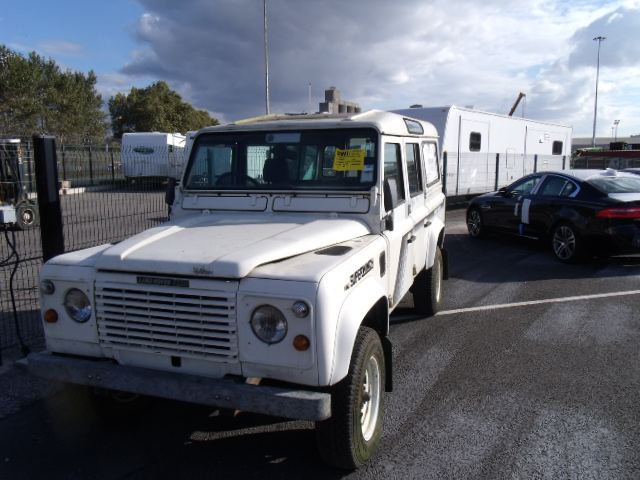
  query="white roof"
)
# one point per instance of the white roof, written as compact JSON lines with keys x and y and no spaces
{"x":385,"y":122}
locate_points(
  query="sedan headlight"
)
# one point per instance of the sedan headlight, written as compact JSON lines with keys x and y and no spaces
{"x":77,"y":305}
{"x":268,"y":324}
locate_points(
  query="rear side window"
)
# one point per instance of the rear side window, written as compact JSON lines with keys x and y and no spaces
{"x":553,"y":186}
{"x":475,"y":141}
{"x":393,"y":180}
{"x":432,"y":167}
{"x":556,"y":148}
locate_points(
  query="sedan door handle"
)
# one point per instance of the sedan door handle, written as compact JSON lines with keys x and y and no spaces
{"x":427,"y":223}
{"x":412,"y":238}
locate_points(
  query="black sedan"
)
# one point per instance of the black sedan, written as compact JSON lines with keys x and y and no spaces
{"x":580,"y":212}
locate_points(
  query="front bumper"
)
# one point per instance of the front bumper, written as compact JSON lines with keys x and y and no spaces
{"x":224,"y":393}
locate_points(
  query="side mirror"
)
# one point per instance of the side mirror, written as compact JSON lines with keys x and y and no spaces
{"x":504,"y":192}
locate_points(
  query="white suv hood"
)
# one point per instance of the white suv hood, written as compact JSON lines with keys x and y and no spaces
{"x":225,"y":246}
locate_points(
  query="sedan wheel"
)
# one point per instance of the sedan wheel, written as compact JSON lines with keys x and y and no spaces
{"x":474,"y":223}
{"x":565,"y":243}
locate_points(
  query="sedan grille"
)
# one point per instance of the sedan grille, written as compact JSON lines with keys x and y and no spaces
{"x":195,"y":323}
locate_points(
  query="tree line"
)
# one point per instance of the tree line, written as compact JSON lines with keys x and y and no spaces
{"x":37,"y":96}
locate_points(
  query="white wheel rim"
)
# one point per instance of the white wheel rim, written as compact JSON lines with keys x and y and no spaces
{"x":474,"y":223}
{"x":438,"y":280}
{"x":564,"y":243}
{"x":371,"y":392}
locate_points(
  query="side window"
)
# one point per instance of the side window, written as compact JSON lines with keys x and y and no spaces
{"x":569,"y":189}
{"x":475,"y":141}
{"x":393,"y":180}
{"x":432,"y":167}
{"x":552,"y":186}
{"x":524,"y":187}
{"x":557,"y":148}
{"x":414,"y":169}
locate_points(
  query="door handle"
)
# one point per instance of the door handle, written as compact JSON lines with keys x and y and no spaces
{"x":412,"y":238}
{"x":427,"y":223}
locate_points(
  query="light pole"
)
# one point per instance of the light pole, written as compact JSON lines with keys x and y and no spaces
{"x":595,"y":108}
{"x":266,"y":59}
{"x":615,"y":124}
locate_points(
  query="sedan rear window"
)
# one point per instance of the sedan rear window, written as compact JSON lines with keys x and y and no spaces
{"x":616,"y":184}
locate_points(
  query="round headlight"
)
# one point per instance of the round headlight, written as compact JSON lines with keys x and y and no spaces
{"x":268,"y":324}
{"x":77,"y":305}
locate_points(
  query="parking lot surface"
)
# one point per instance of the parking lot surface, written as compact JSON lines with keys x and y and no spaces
{"x":531,"y":371}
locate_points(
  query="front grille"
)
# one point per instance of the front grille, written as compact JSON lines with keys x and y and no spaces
{"x":182,"y":322}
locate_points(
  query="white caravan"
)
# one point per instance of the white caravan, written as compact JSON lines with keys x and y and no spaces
{"x":291,"y":241}
{"x":483,"y":151}
{"x":152,"y":154}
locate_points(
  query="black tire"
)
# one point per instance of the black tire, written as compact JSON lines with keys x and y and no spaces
{"x":475,"y":223}
{"x":351,"y":436}
{"x":427,"y":288}
{"x":116,"y":406}
{"x":566,"y":243}
{"x":27,"y":216}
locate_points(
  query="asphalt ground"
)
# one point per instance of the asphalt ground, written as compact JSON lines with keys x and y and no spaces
{"x":546,"y":388}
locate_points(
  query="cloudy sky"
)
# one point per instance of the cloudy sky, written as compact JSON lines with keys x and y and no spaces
{"x":379,"y":53}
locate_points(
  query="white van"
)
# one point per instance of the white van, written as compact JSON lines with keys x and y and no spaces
{"x":152,"y":155}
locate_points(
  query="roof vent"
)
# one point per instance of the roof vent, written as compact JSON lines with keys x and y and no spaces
{"x":609,"y":172}
{"x":416,"y":105}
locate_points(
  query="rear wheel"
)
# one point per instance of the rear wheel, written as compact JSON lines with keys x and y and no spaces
{"x":565,"y":243}
{"x":351,"y":436}
{"x":26,"y":216}
{"x":475,"y":224}
{"x":427,"y":288}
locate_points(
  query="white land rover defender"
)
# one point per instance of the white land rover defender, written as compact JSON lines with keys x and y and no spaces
{"x":269,"y":291}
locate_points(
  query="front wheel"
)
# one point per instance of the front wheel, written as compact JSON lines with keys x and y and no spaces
{"x":427,"y":288}
{"x":351,"y":436}
{"x":475,"y":224}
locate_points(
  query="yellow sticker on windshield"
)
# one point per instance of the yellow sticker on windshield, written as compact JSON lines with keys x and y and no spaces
{"x":349,"y":160}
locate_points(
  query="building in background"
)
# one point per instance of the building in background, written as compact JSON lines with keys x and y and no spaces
{"x":333,"y":103}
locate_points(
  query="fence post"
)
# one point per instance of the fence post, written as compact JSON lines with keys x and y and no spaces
{"x":64,"y":168}
{"x":444,"y":172}
{"x":497,"y":170}
{"x":535,"y":163}
{"x":113,"y":168}
{"x":90,"y":167}
{"x":51,"y":235}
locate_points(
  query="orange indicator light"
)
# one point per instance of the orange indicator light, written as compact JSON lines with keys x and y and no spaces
{"x":51,"y":316}
{"x":301,"y":343}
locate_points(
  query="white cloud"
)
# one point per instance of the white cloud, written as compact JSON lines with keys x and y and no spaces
{"x":392,"y":54}
{"x":60,"y":47}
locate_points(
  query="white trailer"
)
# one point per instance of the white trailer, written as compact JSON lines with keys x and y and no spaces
{"x":152,"y":154}
{"x":484,"y":151}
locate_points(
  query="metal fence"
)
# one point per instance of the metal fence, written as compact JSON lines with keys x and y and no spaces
{"x":99,"y":205}
{"x":107,"y":195}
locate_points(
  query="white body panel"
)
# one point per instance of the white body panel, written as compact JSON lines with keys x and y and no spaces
{"x":522,"y":145}
{"x":153,"y":154}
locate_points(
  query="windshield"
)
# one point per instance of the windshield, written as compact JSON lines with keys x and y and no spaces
{"x":616,"y":184}
{"x":340,"y":159}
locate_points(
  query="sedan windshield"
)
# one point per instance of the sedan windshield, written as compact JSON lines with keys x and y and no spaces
{"x":339,"y":159}
{"x":616,"y":184}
